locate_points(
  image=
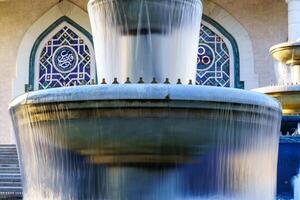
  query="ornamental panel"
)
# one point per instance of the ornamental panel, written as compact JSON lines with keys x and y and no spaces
{"x":213,"y":63}
{"x":65,"y":60}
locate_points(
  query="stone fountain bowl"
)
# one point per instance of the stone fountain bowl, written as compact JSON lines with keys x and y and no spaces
{"x":136,"y":122}
{"x":288,"y":53}
{"x":147,"y":141}
{"x":145,"y":16}
{"x":287,"y":95}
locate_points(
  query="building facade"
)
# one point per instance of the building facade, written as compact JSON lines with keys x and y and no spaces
{"x":48,"y":44}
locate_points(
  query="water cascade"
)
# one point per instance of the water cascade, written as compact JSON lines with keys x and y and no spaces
{"x":146,"y":132}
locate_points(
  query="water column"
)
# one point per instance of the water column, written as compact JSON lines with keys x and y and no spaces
{"x":142,"y":40}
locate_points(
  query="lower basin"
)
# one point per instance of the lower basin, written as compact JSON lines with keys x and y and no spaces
{"x":147,"y":141}
{"x":288,"y":95}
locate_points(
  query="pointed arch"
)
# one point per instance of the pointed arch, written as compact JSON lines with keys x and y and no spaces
{"x":62,"y":23}
{"x":224,"y":23}
{"x":226,"y":41}
{"x":63,"y":12}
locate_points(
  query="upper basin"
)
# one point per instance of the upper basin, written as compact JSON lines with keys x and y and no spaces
{"x":141,"y":39}
{"x":288,"y":53}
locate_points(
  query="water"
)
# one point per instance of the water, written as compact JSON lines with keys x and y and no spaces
{"x":74,"y":148}
{"x":146,"y":38}
{"x":296,"y":185}
{"x":283,"y":73}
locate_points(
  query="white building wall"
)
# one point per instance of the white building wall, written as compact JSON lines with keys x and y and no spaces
{"x":266,"y":22}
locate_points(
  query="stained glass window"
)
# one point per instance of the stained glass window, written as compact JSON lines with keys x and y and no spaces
{"x":65,"y":60}
{"x":213,"y":64}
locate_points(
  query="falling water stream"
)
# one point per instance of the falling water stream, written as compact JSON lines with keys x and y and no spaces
{"x":146,"y":38}
{"x":296,"y":184}
{"x":283,"y":73}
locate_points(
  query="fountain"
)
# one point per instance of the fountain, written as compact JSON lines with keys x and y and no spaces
{"x":288,"y":93}
{"x":148,"y":138}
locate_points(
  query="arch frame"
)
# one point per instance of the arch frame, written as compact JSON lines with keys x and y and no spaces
{"x":62,"y":11}
{"x":232,"y":45}
{"x":37,"y":48}
{"x":240,"y":40}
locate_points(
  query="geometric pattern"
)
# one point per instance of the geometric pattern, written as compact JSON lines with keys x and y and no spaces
{"x":65,"y":60}
{"x":213,"y":62}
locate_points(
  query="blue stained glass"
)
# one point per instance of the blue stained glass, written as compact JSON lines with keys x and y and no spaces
{"x":64,"y":61}
{"x":213,"y":63}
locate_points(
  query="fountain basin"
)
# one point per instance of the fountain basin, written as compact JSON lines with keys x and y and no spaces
{"x":287,"y":95}
{"x":175,"y":141}
{"x":288,"y":53}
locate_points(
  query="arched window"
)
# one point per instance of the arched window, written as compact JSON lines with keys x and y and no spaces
{"x":218,"y":57}
{"x":213,"y":63}
{"x":62,"y":56}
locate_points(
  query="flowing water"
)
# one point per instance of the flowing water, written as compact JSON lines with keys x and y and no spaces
{"x":144,"y":149}
{"x":146,"y":38}
{"x":296,"y":184}
{"x":283,"y":73}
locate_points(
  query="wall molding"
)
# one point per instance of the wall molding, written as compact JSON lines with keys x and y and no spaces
{"x":235,"y":50}
{"x":236,"y":32}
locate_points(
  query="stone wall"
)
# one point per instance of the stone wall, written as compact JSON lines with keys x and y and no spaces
{"x":267,"y":24}
{"x":265,"y":21}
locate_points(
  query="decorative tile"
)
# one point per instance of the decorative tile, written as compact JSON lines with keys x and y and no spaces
{"x":213,"y":67}
{"x":64,"y":61}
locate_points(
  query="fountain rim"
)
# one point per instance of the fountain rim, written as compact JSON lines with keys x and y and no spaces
{"x":278,"y":89}
{"x":285,"y":45}
{"x":286,"y":51}
{"x":90,"y":2}
{"x":147,"y":92}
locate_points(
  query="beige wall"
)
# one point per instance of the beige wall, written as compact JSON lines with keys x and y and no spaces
{"x":267,"y":24}
{"x":265,"y":20}
{"x":16,"y":16}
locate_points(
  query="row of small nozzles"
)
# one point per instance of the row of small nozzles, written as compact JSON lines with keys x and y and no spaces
{"x":285,"y":84}
{"x":140,"y":81}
